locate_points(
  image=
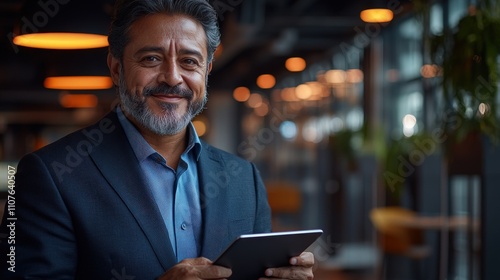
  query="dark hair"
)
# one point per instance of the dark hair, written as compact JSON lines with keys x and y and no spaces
{"x":128,"y":11}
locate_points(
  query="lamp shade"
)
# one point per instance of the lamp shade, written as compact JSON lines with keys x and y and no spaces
{"x":63,"y":24}
{"x":78,"y":82}
{"x":377,"y":11}
{"x":61,"y":40}
{"x":376,"y":15}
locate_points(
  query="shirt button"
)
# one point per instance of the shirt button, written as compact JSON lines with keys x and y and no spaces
{"x":183,"y":226}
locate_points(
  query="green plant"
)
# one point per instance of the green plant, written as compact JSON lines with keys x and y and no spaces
{"x":403,"y":157}
{"x":468,"y":56}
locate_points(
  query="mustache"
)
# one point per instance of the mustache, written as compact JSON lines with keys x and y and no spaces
{"x":168,"y":90}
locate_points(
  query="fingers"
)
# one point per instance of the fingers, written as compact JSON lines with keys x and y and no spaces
{"x":205,"y":269}
{"x":196,"y":261}
{"x":291,"y":272}
{"x":301,"y":268}
{"x":305,"y":259}
{"x":198,"y":268}
{"x":215,"y":272}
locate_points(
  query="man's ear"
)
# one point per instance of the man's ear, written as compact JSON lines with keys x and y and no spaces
{"x":209,"y":68}
{"x":114,"y":68}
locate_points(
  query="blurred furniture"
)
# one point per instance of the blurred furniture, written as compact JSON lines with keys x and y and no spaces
{"x":285,"y":200}
{"x":397,"y":237}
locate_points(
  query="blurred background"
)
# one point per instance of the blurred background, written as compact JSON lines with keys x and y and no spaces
{"x":381,"y":131}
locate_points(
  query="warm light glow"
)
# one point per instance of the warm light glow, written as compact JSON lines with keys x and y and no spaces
{"x":354,"y":76}
{"x":200,"y":127}
{"x":78,"y":100}
{"x":241,"y":94}
{"x":376,"y":15}
{"x":255,"y":100}
{"x":318,"y":91}
{"x":288,"y":94}
{"x":266,"y":81}
{"x":430,"y":70}
{"x":295,"y":64}
{"x":61,"y":41}
{"x":218,"y":51}
{"x":78,"y":82}
{"x":335,"y":76}
{"x":303,"y":91}
{"x":262,"y":110}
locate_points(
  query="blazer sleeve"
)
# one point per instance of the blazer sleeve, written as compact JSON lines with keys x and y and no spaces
{"x":42,"y":240}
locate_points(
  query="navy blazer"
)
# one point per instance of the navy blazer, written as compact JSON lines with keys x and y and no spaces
{"x":83,"y":210}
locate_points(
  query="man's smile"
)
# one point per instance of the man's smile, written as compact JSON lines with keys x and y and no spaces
{"x":171,"y":98}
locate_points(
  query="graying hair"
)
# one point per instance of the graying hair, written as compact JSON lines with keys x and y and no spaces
{"x":128,"y":11}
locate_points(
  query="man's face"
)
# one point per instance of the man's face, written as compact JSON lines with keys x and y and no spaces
{"x":162,"y":81}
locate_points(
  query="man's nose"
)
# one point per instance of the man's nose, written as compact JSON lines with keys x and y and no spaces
{"x":170,"y":74}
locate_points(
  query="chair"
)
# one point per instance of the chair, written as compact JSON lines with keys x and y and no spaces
{"x":396,"y":237}
{"x":285,"y":200}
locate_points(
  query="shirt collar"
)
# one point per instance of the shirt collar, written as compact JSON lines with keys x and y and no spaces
{"x":194,"y":142}
{"x":141,"y":147}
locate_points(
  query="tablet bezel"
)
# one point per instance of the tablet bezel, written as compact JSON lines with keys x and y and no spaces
{"x":250,"y":255}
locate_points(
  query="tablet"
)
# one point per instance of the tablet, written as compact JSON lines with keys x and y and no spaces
{"x":251,"y":254}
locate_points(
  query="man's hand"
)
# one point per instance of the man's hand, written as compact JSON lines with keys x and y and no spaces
{"x":194,"y":269}
{"x":301,"y":268}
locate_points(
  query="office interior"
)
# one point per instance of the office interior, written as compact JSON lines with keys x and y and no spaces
{"x":383,"y":134}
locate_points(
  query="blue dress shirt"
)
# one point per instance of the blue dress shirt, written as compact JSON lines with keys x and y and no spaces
{"x":176,"y":192}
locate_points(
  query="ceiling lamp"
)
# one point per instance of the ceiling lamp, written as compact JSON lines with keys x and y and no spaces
{"x":78,"y":82}
{"x":377,"y":12}
{"x":61,"y":40}
{"x":62,"y":25}
{"x":295,"y":64}
{"x":78,"y":100}
{"x":376,"y":15}
{"x":241,"y":94}
{"x":266,"y":81}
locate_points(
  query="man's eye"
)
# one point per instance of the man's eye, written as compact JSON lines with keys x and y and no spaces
{"x":151,"y":59}
{"x":190,"y":61}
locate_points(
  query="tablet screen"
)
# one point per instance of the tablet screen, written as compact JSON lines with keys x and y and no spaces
{"x":251,"y":254}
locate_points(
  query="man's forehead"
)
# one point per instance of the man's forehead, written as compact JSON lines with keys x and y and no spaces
{"x":159,"y":27}
{"x":169,"y":24}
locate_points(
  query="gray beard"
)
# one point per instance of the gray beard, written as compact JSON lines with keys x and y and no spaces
{"x":169,"y":123}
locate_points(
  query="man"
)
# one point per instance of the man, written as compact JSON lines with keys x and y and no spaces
{"x":138,"y":195}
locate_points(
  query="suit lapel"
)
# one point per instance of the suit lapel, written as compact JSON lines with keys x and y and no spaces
{"x":213,"y":202}
{"x":118,"y":164}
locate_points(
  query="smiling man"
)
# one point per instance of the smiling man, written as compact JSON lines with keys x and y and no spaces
{"x":138,"y":195}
